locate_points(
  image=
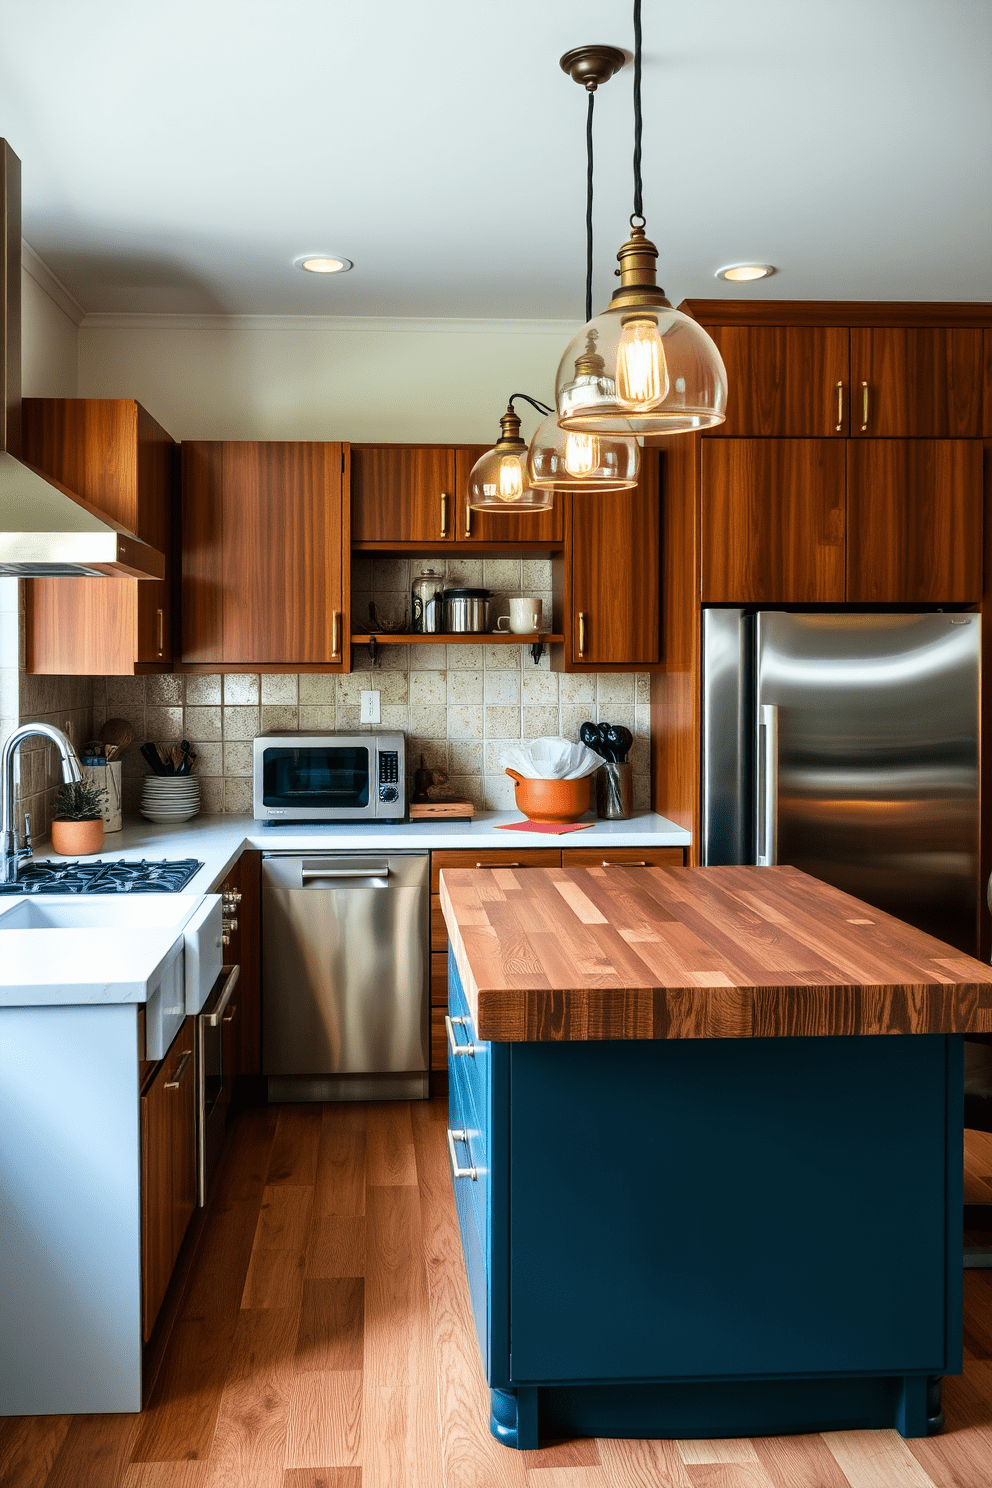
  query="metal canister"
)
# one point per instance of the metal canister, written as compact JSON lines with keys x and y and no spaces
{"x":465,"y":610}
{"x":428,"y":602}
{"x":614,"y":792}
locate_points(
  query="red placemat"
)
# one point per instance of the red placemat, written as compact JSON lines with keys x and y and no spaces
{"x":554,"y":828}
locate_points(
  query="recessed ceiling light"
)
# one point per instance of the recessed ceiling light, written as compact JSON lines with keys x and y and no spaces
{"x":317,"y":263}
{"x":739,"y":273}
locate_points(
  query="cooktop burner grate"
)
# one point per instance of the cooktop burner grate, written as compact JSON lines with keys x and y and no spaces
{"x":143,"y":877}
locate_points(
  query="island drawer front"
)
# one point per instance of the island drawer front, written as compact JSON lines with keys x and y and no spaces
{"x":475,"y":1069}
{"x":471,"y":1153}
{"x":496,"y":857}
{"x":474,"y":1251}
{"x":631,"y":857}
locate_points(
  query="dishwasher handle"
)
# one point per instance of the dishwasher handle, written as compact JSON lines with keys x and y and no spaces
{"x":377,"y":870}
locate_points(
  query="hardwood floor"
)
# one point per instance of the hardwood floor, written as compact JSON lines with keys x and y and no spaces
{"x":324,"y":1340}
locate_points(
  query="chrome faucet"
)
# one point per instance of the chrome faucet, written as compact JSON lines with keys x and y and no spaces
{"x":10,"y":853}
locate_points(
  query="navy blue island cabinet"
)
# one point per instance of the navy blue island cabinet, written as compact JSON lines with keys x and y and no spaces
{"x":701,"y":1236}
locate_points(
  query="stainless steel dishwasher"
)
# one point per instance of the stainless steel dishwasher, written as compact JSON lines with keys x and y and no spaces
{"x":346,"y":976}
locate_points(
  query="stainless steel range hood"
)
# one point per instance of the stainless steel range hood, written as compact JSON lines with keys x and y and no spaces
{"x":45,"y":530}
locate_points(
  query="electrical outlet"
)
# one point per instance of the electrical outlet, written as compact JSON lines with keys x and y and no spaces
{"x":370,"y":708}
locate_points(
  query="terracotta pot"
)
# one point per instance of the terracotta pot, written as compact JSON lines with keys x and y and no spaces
{"x":552,"y":800}
{"x":77,"y":839}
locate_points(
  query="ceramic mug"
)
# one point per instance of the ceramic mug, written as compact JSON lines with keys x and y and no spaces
{"x":524,"y":617}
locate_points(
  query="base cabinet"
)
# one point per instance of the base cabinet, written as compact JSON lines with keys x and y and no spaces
{"x":168,"y":1170}
{"x":609,"y":1298}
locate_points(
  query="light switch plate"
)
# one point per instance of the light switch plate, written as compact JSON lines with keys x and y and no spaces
{"x":370,"y":708}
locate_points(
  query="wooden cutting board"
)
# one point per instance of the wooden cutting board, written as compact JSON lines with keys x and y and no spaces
{"x":645,"y":953}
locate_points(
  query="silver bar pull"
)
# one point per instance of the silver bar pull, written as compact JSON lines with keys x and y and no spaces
{"x":376,"y":871}
{"x":212,"y":1019}
{"x":468,"y":1048}
{"x":456,"y":1171}
{"x":767,"y":854}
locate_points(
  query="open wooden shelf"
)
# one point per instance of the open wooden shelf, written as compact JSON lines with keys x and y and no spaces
{"x":478,"y":637}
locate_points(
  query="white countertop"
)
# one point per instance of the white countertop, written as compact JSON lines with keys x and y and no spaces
{"x":81,"y":966}
{"x":217,"y":841}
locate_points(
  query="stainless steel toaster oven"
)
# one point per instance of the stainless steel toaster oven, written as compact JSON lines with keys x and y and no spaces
{"x":313,"y":776}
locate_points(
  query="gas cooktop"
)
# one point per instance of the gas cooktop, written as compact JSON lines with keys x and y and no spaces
{"x":142,"y":877}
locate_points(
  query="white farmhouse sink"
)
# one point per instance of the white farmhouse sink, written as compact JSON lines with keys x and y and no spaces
{"x":99,"y":911}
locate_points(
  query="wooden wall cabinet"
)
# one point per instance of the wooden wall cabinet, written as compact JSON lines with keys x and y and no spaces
{"x":784,"y":381}
{"x":916,"y":382}
{"x":611,"y":577}
{"x":168,"y":1169}
{"x":265,"y":567}
{"x":409,"y":493}
{"x":111,"y":452}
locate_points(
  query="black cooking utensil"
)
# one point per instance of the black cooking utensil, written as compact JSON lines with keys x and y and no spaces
{"x":618,"y":741}
{"x":151,"y":757}
{"x":591,"y":735}
{"x":186,"y":765}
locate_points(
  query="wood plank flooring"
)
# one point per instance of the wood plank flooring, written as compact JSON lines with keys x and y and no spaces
{"x":324,"y":1340}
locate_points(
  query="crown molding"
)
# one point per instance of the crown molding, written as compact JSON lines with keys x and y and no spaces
{"x":366,"y":324}
{"x":51,"y":284}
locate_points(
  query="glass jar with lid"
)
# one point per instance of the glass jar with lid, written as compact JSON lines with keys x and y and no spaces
{"x":428,"y":604}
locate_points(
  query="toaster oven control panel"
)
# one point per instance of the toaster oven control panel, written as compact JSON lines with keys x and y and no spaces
{"x":389,"y":775}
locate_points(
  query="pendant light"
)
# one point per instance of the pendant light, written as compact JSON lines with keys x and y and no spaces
{"x":569,"y":460}
{"x":641,"y":367}
{"x":498,"y":480}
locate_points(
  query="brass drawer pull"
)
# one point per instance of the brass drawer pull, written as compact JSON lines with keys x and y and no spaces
{"x":468,"y":518}
{"x":160,"y":631}
{"x":456,"y":1171}
{"x":864,"y":406}
{"x":456,"y":1049}
{"x":444,"y":513}
{"x":619,"y":863}
{"x":582,"y":633}
{"x":840,"y":406}
{"x":497,"y":865}
{"x":335,"y":632}
{"x":175,"y":1084}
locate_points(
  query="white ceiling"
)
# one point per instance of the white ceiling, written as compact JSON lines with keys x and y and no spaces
{"x":178,"y":157}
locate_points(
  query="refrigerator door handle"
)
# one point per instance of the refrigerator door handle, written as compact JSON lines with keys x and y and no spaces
{"x":767,"y":854}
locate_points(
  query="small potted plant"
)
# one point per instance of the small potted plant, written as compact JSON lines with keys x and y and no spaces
{"x":77,"y":819}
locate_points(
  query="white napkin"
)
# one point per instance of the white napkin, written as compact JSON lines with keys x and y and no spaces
{"x":551,"y":759}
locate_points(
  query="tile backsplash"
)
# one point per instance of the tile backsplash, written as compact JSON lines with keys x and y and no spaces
{"x":66,"y":702}
{"x":460,"y":706}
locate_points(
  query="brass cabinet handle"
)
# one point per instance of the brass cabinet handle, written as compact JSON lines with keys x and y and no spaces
{"x":175,"y":1084}
{"x":840,"y":407}
{"x":160,"y":631}
{"x":864,"y":406}
{"x":619,"y":863}
{"x":335,"y":632}
{"x":468,"y":518}
{"x":444,"y":513}
{"x":497,"y":865}
{"x":582,"y":633}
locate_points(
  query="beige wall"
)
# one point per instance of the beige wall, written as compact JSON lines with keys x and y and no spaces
{"x":49,"y":344}
{"x":403,"y":381}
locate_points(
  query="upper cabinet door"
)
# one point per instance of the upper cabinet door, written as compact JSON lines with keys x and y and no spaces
{"x":773,"y":521}
{"x":402,"y":493}
{"x":613,"y":606}
{"x":264,"y":545}
{"x":914,"y":521}
{"x":916,"y":382}
{"x":500,"y":527}
{"x":784,"y":380}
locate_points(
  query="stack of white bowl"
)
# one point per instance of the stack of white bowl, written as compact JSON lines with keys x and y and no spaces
{"x":170,"y":798}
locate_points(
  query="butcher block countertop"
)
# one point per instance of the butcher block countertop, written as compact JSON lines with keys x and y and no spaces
{"x":677,"y":953}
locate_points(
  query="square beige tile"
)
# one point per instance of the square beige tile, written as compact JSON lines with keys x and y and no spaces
{"x":240,"y":723}
{"x":577,"y":687}
{"x":393,"y":687}
{"x":464,"y":722}
{"x":209,"y":761}
{"x":427,"y":688}
{"x":349,"y":719}
{"x":390,"y":658}
{"x":574,"y":715}
{"x":280,"y":687}
{"x":318,"y":716}
{"x":502,"y":687}
{"x":464,"y":757}
{"x":494,"y":761}
{"x":396,"y":718}
{"x":535,"y":574}
{"x":427,"y":656}
{"x":280,"y":716}
{"x":202,"y":690}
{"x":539,"y":722}
{"x":430,"y":720}
{"x":502,"y":723}
{"x":502,"y":575}
{"x":201,"y":723}
{"x":467,"y":658}
{"x":642,"y":687}
{"x":238,"y":759}
{"x":350,"y":687}
{"x":503,"y":658}
{"x":434,"y":752}
{"x":164,"y":692}
{"x":498,"y":793}
{"x":539,"y":687}
{"x":616,"y":687}
{"x":464,"y":687}
{"x":468,"y":788}
{"x":211,"y":796}
{"x":317,"y":687}
{"x":164,"y":725}
{"x":241,"y":687}
{"x":237,"y":797}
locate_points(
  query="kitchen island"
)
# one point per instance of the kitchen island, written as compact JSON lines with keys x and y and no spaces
{"x":706,"y":1135}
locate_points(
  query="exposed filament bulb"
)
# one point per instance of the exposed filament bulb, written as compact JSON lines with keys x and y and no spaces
{"x":642,"y":372}
{"x":511,"y":478}
{"x":582,"y":453}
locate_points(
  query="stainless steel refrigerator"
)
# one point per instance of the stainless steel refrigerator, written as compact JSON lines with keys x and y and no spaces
{"x":847,"y":745}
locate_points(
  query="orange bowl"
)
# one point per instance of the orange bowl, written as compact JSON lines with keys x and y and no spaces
{"x":552,"y":800}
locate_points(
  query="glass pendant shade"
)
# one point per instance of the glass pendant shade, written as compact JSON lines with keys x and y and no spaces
{"x":641,"y":367}
{"x":499,"y":481}
{"x":572,"y":461}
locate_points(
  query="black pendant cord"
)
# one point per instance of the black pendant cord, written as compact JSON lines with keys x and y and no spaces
{"x":638,"y":188}
{"x":534,"y":402}
{"x":592,"y":100}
